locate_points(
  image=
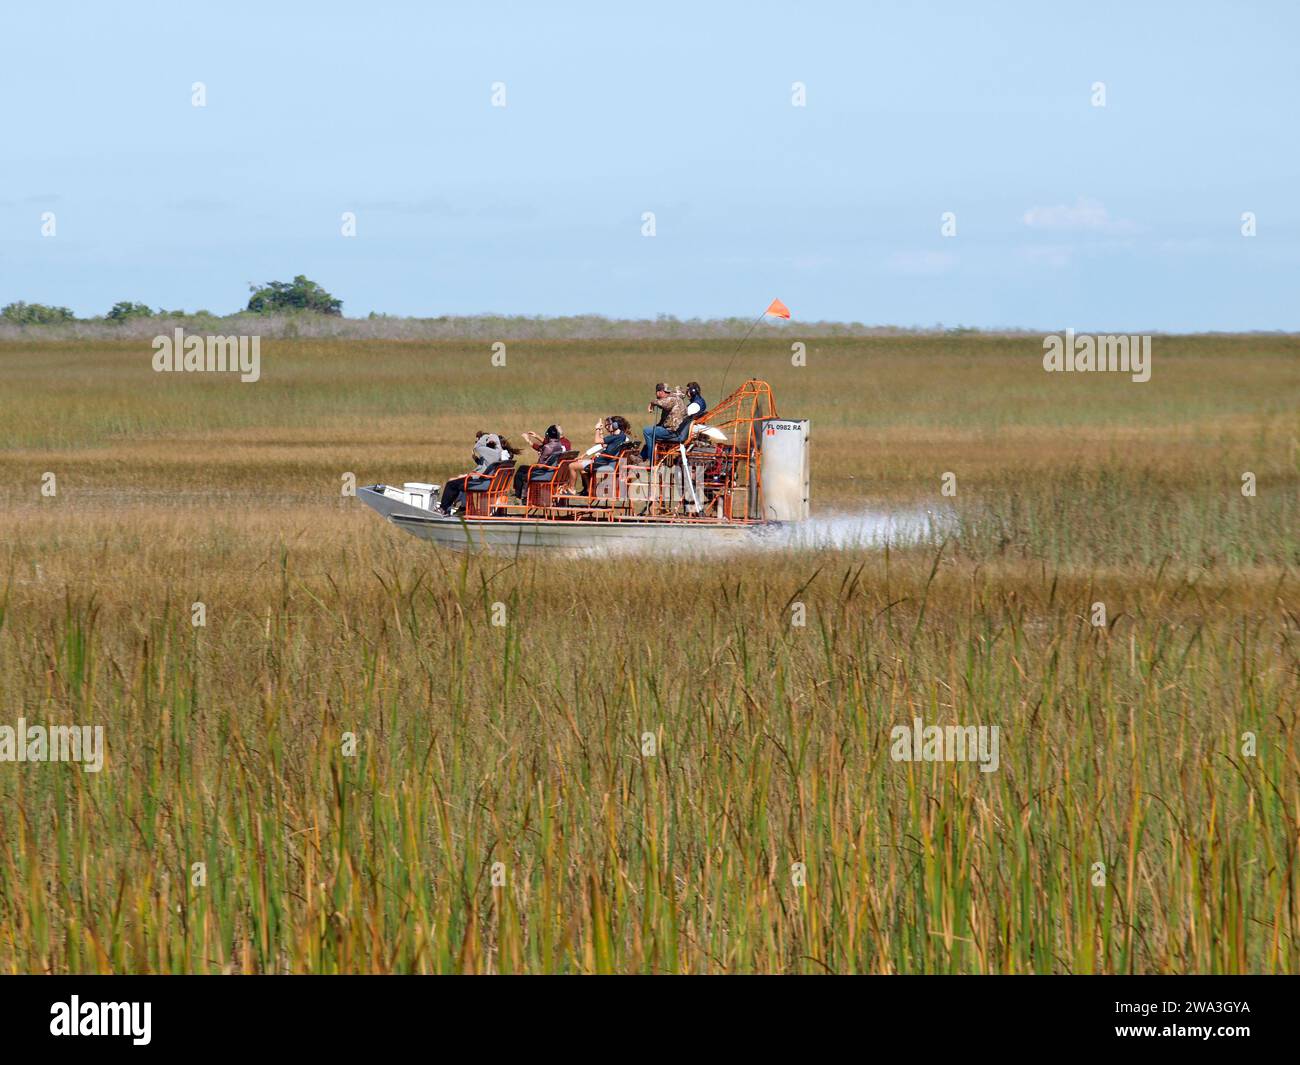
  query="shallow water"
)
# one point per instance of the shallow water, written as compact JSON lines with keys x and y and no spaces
{"x":834,"y":530}
{"x":864,"y":528}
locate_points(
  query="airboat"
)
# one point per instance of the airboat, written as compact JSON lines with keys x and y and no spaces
{"x":726,"y":475}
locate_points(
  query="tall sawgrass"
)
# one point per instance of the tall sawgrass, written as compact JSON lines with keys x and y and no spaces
{"x":649,"y":766}
{"x":525,"y":744}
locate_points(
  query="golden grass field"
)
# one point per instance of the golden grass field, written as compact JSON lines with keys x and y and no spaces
{"x":499,"y":814}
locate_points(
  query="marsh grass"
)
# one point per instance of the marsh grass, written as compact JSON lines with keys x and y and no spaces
{"x":522,"y":744}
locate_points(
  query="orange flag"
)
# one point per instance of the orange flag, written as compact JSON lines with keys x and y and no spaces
{"x":778,"y":309}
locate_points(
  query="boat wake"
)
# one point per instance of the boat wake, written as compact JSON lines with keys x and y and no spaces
{"x":867,"y":529}
{"x":841,"y":530}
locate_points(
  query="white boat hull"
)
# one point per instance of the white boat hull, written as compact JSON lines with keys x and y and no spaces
{"x":508,"y":535}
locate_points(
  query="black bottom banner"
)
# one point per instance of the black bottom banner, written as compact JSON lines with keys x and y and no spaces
{"x":1208,"y":1014}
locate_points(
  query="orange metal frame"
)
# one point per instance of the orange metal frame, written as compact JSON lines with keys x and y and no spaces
{"x":480,"y":502}
{"x":540,"y":495}
{"x":737,"y":416}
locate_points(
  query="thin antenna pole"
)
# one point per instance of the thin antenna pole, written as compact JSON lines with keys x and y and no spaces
{"x":722,"y":392}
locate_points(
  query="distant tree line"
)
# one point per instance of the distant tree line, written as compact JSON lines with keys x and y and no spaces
{"x":21,"y":313}
{"x":298,"y":295}
{"x":273,"y":297}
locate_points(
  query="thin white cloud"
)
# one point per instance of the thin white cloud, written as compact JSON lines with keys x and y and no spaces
{"x":922,"y":263}
{"x":1056,"y":256}
{"x":1188,"y":246}
{"x":444,"y":208}
{"x":810,"y":262}
{"x":200,"y":204}
{"x":1084,"y":216}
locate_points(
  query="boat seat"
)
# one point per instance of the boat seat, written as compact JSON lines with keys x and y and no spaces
{"x":544,"y":480}
{"x":668,"y":448}
{"x":612,"y":472}
{"x":544,"y":473}
{"x":485,"y":492}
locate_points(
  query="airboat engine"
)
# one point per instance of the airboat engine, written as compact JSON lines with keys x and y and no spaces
{"x":783,"y":491}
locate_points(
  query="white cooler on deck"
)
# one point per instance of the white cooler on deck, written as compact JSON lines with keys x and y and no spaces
{"x":419,"y":494}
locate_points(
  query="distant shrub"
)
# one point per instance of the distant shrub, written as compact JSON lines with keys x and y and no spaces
{"x":300,"y":295}
{"x":21,"y":313}
{"x":124,"y":310}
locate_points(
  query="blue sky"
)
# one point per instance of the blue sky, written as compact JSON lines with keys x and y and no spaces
{"x":1125,"y":217}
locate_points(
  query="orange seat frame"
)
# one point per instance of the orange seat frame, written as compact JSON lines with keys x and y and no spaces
{"x":481,"y":502}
